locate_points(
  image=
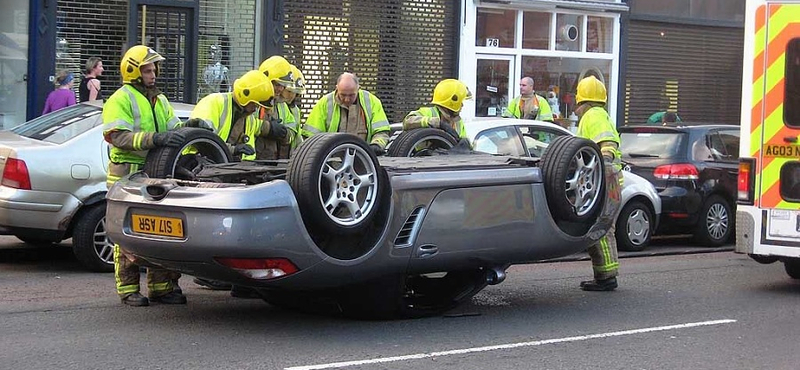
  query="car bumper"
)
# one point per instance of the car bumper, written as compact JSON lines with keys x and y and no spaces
{"x":39,"y":210}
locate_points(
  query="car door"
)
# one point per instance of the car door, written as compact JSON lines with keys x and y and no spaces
{"x":724,"y":149}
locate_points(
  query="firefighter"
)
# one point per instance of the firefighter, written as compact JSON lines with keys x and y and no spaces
{"x":278,"y":122}
{"x":231,"y":115}
{"x":448,"y":98}
{"x":293,"y":96}
{"x":529,"y":105}
{"x":353,"y":110}
{"x":137,"y":118}
{"x":595,"y":124}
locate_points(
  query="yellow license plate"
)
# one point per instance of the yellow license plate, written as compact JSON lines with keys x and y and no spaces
{"x":157,"y":225}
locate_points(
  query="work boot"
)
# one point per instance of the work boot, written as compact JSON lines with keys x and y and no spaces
{"x":170,"y":298}
{"x":136,"y":300}
{"x":212,"y":284}
{"x":605,"y":285}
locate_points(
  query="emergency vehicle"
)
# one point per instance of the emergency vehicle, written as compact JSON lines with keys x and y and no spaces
{"x":768,"y":212}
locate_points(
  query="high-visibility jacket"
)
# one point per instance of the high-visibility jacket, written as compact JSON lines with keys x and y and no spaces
{"x":545,"y":112}
{"x":268,"y":148}
{"x":596,"y":125}
{"x":420,"y":118}
{"x":325,"y":117}
{"x":218,"y":110}
{"x":127,"y":109}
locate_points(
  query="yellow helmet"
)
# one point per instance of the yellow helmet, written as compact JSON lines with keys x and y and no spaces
{"x":253,"y":87}
{"x":451,"y":94}
{"x":134,"y":59}
{"x":591,"y":89}
{"x":299,"y":86}
{"x":277,"y":69}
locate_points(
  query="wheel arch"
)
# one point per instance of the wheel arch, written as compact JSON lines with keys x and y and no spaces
{"x":93,"y":199}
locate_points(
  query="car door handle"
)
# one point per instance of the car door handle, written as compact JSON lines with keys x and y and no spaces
{"x":790,"y":139}
{"x":427,"y":251}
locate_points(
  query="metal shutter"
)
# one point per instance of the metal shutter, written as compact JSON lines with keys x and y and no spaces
{"x":399,"y":50}
{"x":694,"y":70}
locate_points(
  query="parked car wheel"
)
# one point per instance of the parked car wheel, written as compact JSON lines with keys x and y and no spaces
{"x":33,"y":240}
{"x":412,"y":296}
{"x":715,"y":225}
{"x":792,"y":267}
{"x":90,"y":244}
{"x":573,"y":174}
{"x":338,"y":183}
{"x":420,"y":142}
{"x":634,"y":227}
{"x":176,"y":162}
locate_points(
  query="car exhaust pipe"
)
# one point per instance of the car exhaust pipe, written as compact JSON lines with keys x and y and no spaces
{"x":495,"y":275}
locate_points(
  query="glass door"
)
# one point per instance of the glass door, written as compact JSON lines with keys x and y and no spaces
{"x":493,"y":85}
{"x":13,"y":62}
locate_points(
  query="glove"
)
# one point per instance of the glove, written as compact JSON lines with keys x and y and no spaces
{"x":450,"y":130}
{"x":277,"y":130}
{"x":377,"y":149}
{"x":169,"y":138}
{"x":243,"y":149}
{"x":198,"y":123}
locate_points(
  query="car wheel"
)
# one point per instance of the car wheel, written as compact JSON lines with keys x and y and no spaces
{"x":714,"y":227}
{"x":338,"y":183}
{"x":573,"y":178}
{"x":412,"y":296}
{"x":90,"y":243}
{"x":37,"y":241}
{"x":185,"y":162}
{"x":634,"y":227}
{"x":420,"y":142}
{"x":792,"y":267}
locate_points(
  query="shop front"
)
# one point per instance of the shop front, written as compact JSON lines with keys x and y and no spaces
{"x":556,"y":43}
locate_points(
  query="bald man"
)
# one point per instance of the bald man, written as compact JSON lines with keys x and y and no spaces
{"x":350,"y":109}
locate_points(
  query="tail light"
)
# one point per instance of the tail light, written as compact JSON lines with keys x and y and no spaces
{"x":683,"y":171}
{"x":746,"y":181}
{"x":15,"y":174}
{"x":260,"y":268}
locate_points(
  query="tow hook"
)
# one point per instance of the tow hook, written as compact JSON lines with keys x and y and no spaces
{"x":495,"y":275}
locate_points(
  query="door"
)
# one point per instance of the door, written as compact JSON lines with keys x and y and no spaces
{"x":172,"y":32}
{"x":494,"y":84}
{"x":13,"y":62}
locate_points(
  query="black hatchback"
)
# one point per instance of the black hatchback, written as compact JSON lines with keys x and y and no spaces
{"x":694,"y":169}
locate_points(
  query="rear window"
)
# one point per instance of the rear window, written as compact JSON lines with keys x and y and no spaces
{"x":61,"y":125}
{"x":651,"y":144}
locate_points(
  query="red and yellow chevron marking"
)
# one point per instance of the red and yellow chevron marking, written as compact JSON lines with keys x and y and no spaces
{"x":775,"y":26}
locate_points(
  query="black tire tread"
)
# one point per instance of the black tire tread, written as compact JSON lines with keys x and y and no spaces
{"x":555,"y":163}
{"x":407,"y":140}
{"x":83,"y":238}
{"x":621,"y":231}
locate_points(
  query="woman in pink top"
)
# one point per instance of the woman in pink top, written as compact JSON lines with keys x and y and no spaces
{"x":62,"y":96}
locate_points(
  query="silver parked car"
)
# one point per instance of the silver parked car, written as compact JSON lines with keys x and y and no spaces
{"x":641,"y":205}
{"x":53,"y":183}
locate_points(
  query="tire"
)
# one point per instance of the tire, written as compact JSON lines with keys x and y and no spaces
{"x":411,"y":296}
{"x":337,"y":182}
{"x":420,"y":142}
{"x":792,"y":267}
{"x":715,"y":225}
{"x":37,"y":241}
{"x":90,"y":243}
{"x":634,"y":227}
{"x":571,"y":166}
{"x":171,"y":162}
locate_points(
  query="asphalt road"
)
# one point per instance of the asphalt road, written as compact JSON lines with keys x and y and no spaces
{"x":679,"y":310}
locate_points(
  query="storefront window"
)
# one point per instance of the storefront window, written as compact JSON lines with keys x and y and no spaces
{"x":13,"y":62}
{"x":495,"y":28}
{"x":556,"y":78}
{"x":492,"y":87}
{"x":599,"y":35}
{"x":568,"y":32}
{"x":536,"y":30}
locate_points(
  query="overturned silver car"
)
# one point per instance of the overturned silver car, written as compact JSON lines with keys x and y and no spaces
{"x":370,"y":237}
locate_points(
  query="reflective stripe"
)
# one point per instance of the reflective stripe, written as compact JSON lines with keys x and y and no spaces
{"x":223,"y":120}
{"x":607,"y":135}
{"x":120,"y":123}
{"x":137,"y":115}
{"x":137,"y":140}
{"x":367,"y":104}
{"x":121,"y":289}
{"x":311,"y":129}
{"x":380,"y":124}
{"x":156,"y":288}
{"x":174,"y":121}
{"x":331,"y":104}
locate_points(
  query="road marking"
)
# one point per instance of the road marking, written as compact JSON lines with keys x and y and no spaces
{"x":509,"y":346}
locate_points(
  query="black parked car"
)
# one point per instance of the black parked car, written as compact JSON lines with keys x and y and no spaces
{"x":694,"y":169}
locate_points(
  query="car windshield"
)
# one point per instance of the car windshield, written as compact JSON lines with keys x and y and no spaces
{"x":650,"y":144}
{"x":61,"y":125}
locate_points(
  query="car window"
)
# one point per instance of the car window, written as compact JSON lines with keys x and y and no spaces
{"x":537,"y":139}
{"x":651,"y":144}
{"x":730,"y":139}
{"x":61,"y":125}
{"x":722,"y":146}
{"x":499,"y":140}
